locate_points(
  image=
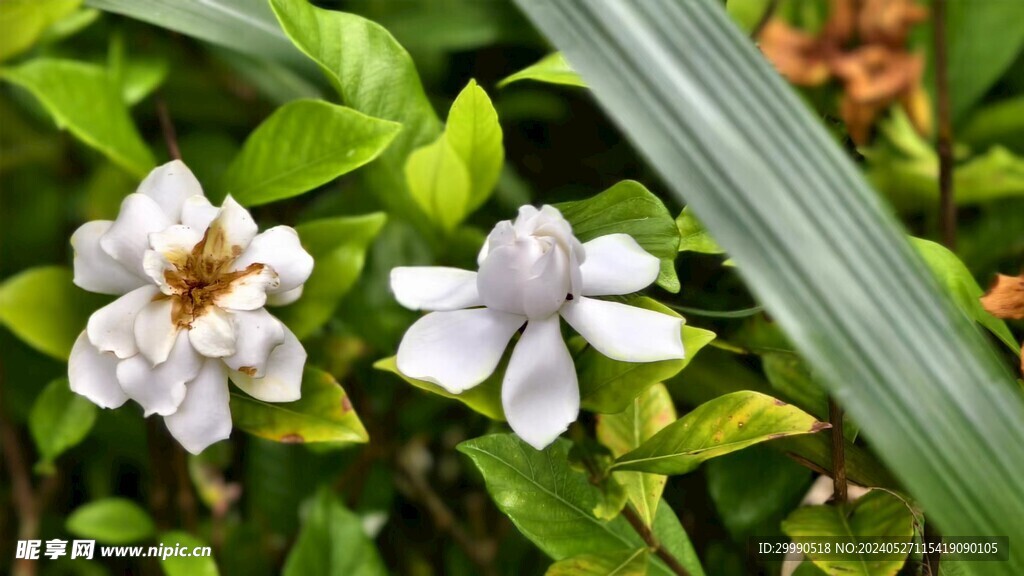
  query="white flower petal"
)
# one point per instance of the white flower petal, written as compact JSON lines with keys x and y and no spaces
{"x":616,"y":264}
{"x":95,"y":270}
{"x":284,"y":298}
{"x":197,"y":212}
{"x":434,"y":288}
{"x":128,"y":238}
{"x":540,"y":393}
{"x":112,"y":328}
{"x":230,"y":232}
{"x":160,"y":389}
{"x":529,"y":277}
{"x":283,"y":379}
{"x":456,"y":350}
{"x":169,"y":185}
{"x":212,"y":333}
{"x":204,"y":417}
{"x":279,"y":248}
{"x":93,"y":374}
{"x":155,"y":330}
{"x":249,"y":291}
{"x":170,"y":251}
{"x":257,"y":334}
{"x":626,"y":333}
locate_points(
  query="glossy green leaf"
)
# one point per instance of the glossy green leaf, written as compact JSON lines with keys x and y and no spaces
{"x":693,"y":237}
{"x":141,"y":77}
{"x":473,"y":131}
{"x":332,"y":541}
{"x":439,"y":182}
{"x":624,"y":432}
{"x":617,"y":563}
{"x":723,"y":425}
{"x":59,"y":420}
{"x":609,"y":386}
{"x":629,"y":208}
{"x":85,"y":100}
{"x":193,"y":565}
{"x":247,"y":26}
{"x":875,"y":514}
{"x":374,"y":75}
{"x":998,"y":123}
{"x":111,"y":521}
{"x":815,"y":246}
{"x":302,"y":145}
{"x":755,"y":508}
{"x":338,"y":246}
{"x":558,"y":516}
{"x":551,"y":69}
{"x":323,"y":414}
{"x":24,"y":21}
{"x":485,"y":397}
{"x":42,"y":307}
{"x":793,"y":382}
{"x":962,"y":288}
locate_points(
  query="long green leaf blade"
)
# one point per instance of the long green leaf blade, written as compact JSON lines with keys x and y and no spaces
{"x":814,"y":244}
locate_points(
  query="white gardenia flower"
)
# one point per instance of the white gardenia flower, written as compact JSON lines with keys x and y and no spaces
{"x":532,"y":271}
{"x":193,"y":280}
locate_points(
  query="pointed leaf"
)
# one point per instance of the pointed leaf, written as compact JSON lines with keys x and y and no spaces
{"x":439,"y":182}
{"x":723,"y":425}
{"x":302,"y":145}
{"x":552,"y":69}
{"x":618,"y":563}
{"x":111,"y":521}
{"x":332,"y":541}
{"x":473,"y":131}
{"x":693,"y":237}
{"x":59,"y":420}
{"x":323,"y":414}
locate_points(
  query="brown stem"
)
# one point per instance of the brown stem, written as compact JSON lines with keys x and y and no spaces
{"x":944,"y":143}
{"x":835,"y":417}
{"x":186,"y":500}
{"x":766,"y":16}
{"x":167,"y":127}
{"x":631,"y":516}
{"x":480,"y":553}
{"x":26,"y":505}
{"x":159,"y":492}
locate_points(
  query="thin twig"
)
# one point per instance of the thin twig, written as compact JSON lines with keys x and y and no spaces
{"x":480,"y":553}
{"x":185,"y":497}
{"x":835,"y":417}
{"x":933,"y":554}
{"x":944,"y":143}
{"x":766,"y":16}
{"x":631,"y":516}
{"x":167,"y":127}
{"x":26,"y":505}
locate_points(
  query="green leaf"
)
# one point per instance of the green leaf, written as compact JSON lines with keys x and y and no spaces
{"x":24,"y":22}
{"x":186,"y":565}
{"x":649,"y":412}
{"x":84,"y":99}
{"x":558,"y":516}
{"x":552,"y":69}
{"x":323,"y":414}
{"x":141,"y":77}
{"x":998,"y":123}
{"x":693,"y":237}
{"x":332,"y":541}
{"x":338,"y":246}
{"x":755,"y":508}
{"x":827,"y":259}
{"x":609,"y":386}
{"x":302,"y":145}
{"x":111,"y":521}
{"x":59,"y":420}
{"x":629,"y":208}
{"x":485,"y":397}
{"x":723,"y":425}
{"x":875,"y":514}
{"x":473,"y":131}
{"x":983,"y":41}
{"x":42,"y":307}
{"x":439,"y":183}
{"x":374,"y":75}
{"x":247,"y":26}
{"x":962,"y":288}
{"x":618,"y":563}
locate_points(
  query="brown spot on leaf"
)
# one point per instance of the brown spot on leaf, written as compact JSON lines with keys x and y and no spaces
{"x":346,"y":405}
{"x":819,"y":426}
{"x":292,"y":439}
{"x":780,"y":402}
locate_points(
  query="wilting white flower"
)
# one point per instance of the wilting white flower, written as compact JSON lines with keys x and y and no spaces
{"x":532,"y":271}
{"x":193,"y":280}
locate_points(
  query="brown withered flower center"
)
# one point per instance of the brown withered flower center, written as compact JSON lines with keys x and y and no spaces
{"x":198,"y":277}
